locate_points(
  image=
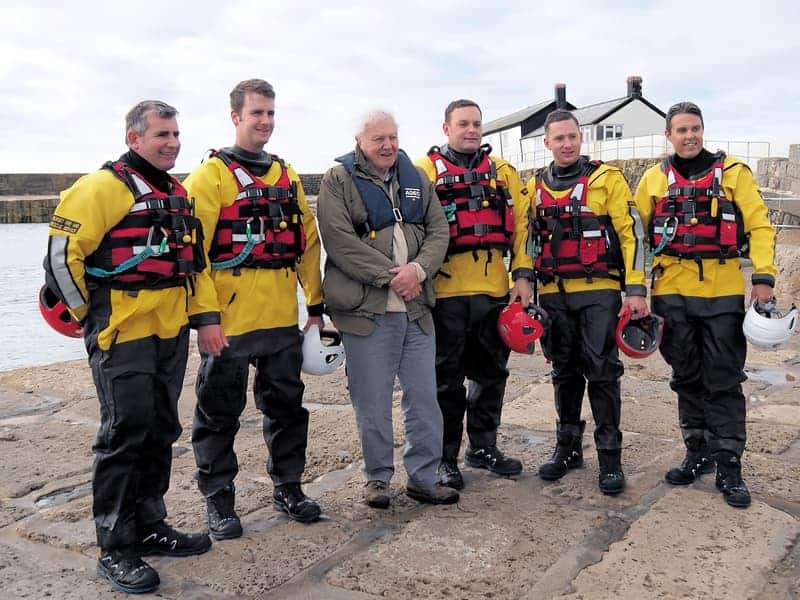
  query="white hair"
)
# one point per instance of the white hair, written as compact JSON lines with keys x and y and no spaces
{"x":376,"y":115}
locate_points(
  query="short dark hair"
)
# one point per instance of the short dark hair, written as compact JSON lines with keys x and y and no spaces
{"x":557,"y":115}
{"x":136,"y":119}
{"x":684,"y":108}
{"x":249,"y":86}
{"x":460,"y":103}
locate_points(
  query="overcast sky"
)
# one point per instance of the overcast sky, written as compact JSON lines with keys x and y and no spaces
{"x":69,"y":75}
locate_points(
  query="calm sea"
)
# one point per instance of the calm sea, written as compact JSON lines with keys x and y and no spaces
{"x":27,"y":339}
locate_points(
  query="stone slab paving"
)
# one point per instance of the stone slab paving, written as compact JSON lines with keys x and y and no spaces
{"x":690,"y":545}
{"x":506,"y":538}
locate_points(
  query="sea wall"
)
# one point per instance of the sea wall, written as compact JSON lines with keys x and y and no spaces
{"x":31,"y":197}
{"x":781,"y":174}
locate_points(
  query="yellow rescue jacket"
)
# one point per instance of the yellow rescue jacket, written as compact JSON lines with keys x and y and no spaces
{"x":251,"y":299}
{"x":86,"y":212}
{"x":484,"y":271}
{"x":607,"y":194}
{"x":672,"y":275}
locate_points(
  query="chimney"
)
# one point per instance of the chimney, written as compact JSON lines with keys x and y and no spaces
{"x":561,"y":95}
{"x":634,"y":86}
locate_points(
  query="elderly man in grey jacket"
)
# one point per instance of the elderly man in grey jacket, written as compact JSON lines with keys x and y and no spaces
{"x":386,"y":235}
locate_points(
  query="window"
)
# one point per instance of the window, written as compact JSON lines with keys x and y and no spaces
{"x":609,"y":132}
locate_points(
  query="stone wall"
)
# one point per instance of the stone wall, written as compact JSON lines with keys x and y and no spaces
{"x":311,"y":183}
{"x":31,"y":197}
{"x":778,"y":174}
{"x":771,"y":173}
{"x":781,"y":174}
{"x":27,"y":209}
{"x":35,"y":184}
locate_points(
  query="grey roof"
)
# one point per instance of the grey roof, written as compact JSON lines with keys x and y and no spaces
{"x":589,"y":115}
{"x":594,"y":113}
{"x":514,"y":118}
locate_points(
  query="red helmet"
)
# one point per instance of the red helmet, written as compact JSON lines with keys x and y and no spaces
{"x":56,"y":314}
{"x":639,"y":338}
{"x":519,"y":328}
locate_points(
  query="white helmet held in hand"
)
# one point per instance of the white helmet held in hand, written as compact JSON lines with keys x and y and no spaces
{"x":323,"y":353}
{"x":767,"y":327}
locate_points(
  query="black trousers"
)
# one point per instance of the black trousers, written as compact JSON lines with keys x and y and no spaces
{"x":468,"y":346}
{"x":138,"y":384}
{"x":222,"y":395}
{"x":580,"y":341}
{"x":707,"y":355}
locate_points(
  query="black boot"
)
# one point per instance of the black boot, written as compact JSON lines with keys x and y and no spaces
{"x":729,"y":480}
{"x":698,"y":461}
{"x":223,"y":522}
{"x":568,"y":453}
{"x":450,"y":475}
{"x":289,"y":498}
{"x":492,"y":459}
{"x":611,"y":479}
{"x":162,"y":540}
{"x":126,"y":574}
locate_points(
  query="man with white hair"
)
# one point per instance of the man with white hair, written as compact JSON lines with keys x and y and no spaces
{"x":386,"y":236}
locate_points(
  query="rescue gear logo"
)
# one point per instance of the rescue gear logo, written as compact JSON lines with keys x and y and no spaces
{"x":413,"y":194}
{"x":66,"y":225}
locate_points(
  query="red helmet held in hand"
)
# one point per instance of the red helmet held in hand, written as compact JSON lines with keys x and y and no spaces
{"x":56,"y":314}
{"x":519,"y":328}
{"x":639,"y":338}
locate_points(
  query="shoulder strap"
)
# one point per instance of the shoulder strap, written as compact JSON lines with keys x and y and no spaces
{"x":136,"y":183}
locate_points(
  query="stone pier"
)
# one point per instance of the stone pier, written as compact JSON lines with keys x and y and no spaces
{"x":32,"y":197}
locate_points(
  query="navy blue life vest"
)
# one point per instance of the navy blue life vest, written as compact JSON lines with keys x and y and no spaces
{"x":380,"y":212}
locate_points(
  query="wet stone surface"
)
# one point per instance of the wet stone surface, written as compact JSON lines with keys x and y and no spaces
{"x":509,"y":538}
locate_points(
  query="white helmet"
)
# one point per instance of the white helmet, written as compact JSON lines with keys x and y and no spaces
{"x":767,"y":327}
{"x":320,"y":358}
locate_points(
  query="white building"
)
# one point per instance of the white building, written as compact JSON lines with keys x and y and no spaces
{"x":505,"y":134}
{"x":610,"y":128}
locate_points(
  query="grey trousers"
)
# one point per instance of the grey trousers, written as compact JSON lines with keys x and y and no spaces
{"x":397,"y":348}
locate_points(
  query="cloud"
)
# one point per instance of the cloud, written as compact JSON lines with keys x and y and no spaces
{"x":69,"y":74}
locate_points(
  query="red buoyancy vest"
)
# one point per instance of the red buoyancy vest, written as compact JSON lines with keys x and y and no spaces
{"x":158,"y":224}
{"x":267,"y":216}
{"x":695,"y":219}
{"x":477,"y":204}
{"x":572,"y":241}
